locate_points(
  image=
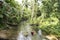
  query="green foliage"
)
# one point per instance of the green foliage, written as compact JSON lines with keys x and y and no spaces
{"x":50,"y":23}
{"x":9,"y":13}
{"x":45,"y":16}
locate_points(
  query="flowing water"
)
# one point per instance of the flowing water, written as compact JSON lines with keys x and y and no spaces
{"x":25,"y":34}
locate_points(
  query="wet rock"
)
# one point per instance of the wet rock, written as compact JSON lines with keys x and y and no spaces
{"x":58,"y":38}
{"x":3,"y":35}
{"x":51,"y":37}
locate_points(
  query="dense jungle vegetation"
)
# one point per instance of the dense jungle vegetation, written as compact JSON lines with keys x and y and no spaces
{"x":44,"y":15}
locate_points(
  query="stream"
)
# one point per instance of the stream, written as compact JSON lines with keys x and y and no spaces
{"x":25,"y":34}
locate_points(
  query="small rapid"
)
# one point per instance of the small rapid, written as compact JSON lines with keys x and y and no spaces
{"x":27,"y":34}
{"x":23,"y":37}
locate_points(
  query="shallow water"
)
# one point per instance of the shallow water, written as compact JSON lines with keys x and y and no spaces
{"x":25,"y":34}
